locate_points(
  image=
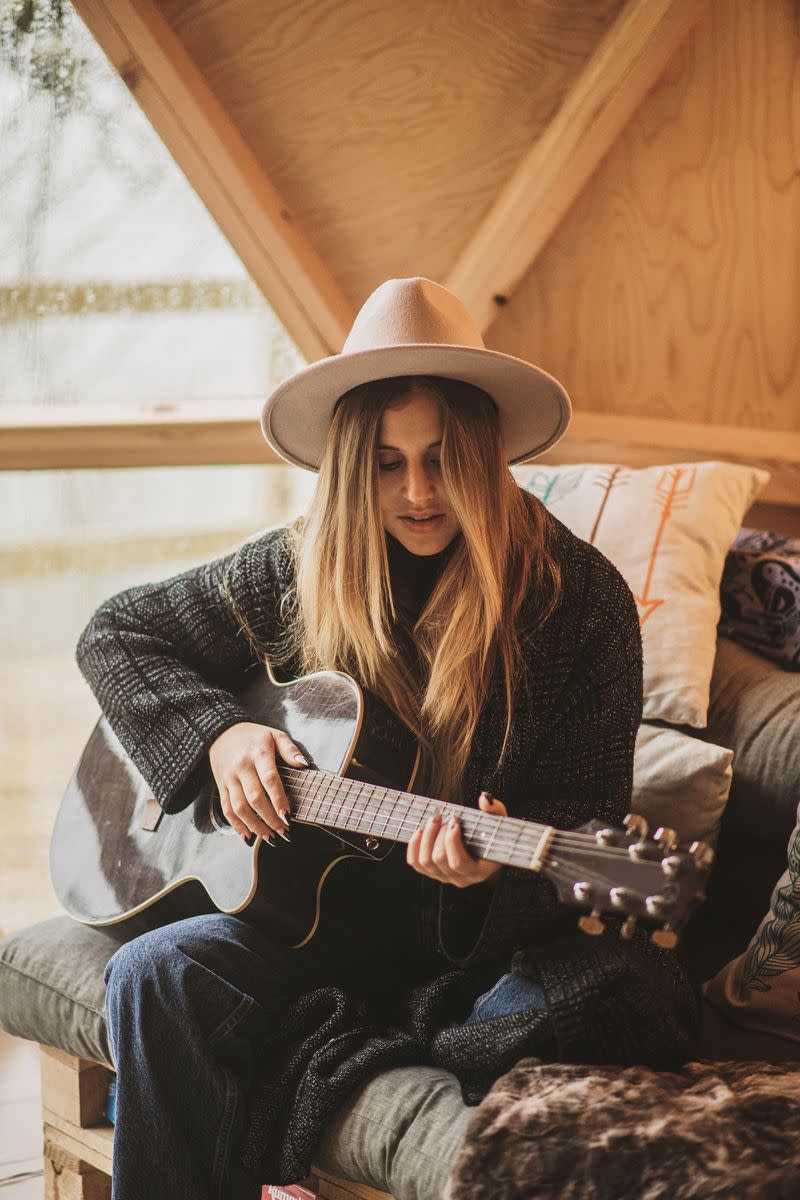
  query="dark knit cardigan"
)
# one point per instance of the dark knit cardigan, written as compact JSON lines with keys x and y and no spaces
{"x":164,"y":661}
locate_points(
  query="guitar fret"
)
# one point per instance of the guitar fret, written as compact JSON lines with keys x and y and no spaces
{"x":353,"y":821}
{"x":317,"y":799}
{"x":391,"y":811}
{"x":513,"y":849}
{"x":325,"y":811}
{"x":496,"y":825}
{"x":342,"y":803}
{"x":373,"y":811}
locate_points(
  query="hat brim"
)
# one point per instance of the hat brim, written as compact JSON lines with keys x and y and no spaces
{"x":534,"y":408}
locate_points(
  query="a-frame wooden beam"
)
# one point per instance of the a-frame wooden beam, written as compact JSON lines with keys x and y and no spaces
{"x":141,"y":435}
{"x":208,"y":147}
{"x":625,"y":65}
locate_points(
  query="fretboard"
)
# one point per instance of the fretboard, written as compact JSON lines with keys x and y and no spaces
{"x":347,"y":804}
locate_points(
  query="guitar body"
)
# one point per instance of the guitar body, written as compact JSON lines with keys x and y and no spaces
{"x":114,"y":853}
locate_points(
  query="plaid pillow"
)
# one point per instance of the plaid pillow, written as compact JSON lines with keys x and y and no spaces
{"x":760,"y":595}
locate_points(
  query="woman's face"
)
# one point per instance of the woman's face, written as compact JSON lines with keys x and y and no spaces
{"x":414,"y":508}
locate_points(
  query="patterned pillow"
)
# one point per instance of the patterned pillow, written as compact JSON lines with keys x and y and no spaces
{"x":667,"y":529}
{"x":760,"y":595}
{"x":761,"y":988}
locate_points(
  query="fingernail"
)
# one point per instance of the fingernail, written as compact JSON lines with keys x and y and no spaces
{"x":285,"y":818}
{"x":249,"y":838}
{"x":453,"y":822}
{"x":270,"y":841}
{"x":299,"y":758}
{"x":286,"y":837}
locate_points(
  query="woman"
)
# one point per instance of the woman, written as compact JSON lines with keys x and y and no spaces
{"x":510,"y":649}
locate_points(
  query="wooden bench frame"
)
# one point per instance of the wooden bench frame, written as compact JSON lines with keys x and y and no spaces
{"x":79,"y":1140}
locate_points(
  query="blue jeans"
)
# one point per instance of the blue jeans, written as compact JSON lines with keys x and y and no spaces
{"x":513,"y":992}
{"x":184,"y":1004}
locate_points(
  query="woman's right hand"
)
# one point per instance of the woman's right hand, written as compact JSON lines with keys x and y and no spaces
{"x":250,"y":788}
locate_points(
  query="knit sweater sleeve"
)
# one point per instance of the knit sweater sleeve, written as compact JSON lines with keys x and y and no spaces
{"x":165,"y":660}
{"x":580,"y":766}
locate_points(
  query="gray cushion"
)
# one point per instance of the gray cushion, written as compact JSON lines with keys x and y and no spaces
{"x":400,"y":1132}
{"x":51,"y":985}
{"x":755,"y":711}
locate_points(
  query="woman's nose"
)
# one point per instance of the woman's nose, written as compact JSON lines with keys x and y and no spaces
{"x":419,"y":485}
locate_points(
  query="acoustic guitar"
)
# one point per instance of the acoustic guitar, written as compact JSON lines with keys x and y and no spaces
{"x":115,"y":852}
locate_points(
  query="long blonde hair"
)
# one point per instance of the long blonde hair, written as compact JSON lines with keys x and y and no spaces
{"x":343,"y":614}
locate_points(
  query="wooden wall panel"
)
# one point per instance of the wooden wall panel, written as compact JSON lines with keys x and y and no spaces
{"x":672,"y":289}
{"x":388,"y":128}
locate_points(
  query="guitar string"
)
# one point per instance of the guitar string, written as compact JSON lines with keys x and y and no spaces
{"x":499,"y":837}
{"x":352,"y":788}
{"x":496,"y":839}
{"x":556,"y":871}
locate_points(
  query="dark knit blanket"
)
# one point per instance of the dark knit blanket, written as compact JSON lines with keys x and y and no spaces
{"x":562,"y":1132}
{"x":606,"y":1002}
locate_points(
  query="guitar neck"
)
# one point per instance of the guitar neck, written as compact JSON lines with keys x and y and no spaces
{"x":380,"y":812}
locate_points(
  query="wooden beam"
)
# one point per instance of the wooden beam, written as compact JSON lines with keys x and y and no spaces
{"x":141,"y":435}
{"x":648,"y":442}
{"x":217,"y":161}
{"x":624,"y":67}
{"x":207,"y":434}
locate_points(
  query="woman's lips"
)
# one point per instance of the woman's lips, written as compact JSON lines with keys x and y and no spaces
{"x":425,"y":524}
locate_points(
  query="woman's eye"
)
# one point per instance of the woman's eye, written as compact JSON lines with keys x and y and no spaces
{"x":388,"y":466}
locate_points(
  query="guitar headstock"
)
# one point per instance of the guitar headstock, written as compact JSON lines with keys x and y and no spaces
{"x":628,"y":873}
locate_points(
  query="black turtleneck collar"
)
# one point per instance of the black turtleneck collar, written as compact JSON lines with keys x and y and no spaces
{"x":414,"y":576}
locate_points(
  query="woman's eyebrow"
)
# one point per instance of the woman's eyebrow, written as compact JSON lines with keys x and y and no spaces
{"x":430,"y":446}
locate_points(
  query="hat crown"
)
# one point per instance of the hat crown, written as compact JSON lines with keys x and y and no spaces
{"x":413,"y":311}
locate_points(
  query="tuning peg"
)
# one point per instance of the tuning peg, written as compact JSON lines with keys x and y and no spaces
{"x":628,"y":929}
{"x":667,"y":838}
{"x":591,"y":924}
{"x":655,"y":905}
{"x":637,"y":825}
{"x":703,"y":853}
{"x":666,"y":938}
{"x":621,"y":897}
{"x":672,"y":865}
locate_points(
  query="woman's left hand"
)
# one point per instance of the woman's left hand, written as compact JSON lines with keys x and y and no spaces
{"x":437,"y":849}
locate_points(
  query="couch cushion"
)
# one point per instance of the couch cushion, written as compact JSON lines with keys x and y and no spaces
{"x":755,"y":710}
{"x":680,"y":782}
{"x":51,"y":985}
{"x":400,"y":1132}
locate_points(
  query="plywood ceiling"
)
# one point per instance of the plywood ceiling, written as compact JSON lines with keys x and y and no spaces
{"x":389,"y":128}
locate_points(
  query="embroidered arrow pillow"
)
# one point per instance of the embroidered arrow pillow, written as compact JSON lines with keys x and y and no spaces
{"x":667,"y":529}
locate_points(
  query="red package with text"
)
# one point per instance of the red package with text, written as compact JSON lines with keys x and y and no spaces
{"x":305,"y":1190}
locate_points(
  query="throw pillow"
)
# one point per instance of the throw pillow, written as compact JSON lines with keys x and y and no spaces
{"x":760,"y":595}
{"x":680,"y":782}
{"x":667,"y":529}
{"x":761,"y":988}
{"x":755,"y":710}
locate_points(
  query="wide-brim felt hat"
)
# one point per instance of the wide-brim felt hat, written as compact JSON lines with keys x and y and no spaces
{"x":415,"y":327}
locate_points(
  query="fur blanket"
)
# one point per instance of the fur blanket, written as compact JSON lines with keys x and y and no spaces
{"x":710,"y":1130}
